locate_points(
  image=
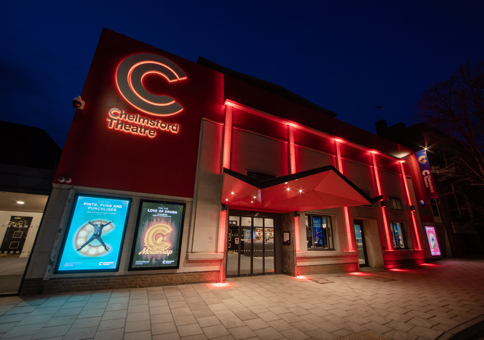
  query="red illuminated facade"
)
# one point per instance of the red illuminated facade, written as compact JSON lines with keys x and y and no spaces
{"x":272,"y":183}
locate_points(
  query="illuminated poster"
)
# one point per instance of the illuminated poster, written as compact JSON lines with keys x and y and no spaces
{"x":433,"y":241}
{"x":94,"y":235}
{"x":158,"y":237}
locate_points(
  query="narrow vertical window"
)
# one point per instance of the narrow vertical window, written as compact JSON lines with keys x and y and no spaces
{"x":398,"y":235}
{"x":319,"y":232}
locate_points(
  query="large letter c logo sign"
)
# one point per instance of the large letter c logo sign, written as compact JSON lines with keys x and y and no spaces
{"x":129,"y":80}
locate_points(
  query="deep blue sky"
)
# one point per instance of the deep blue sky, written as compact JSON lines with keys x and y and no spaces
{"x":345,"y":56}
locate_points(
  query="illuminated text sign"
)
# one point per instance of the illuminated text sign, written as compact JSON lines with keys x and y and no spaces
{"x":129,"y":77}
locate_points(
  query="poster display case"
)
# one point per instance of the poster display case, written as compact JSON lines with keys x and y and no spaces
{"x":94,"y":236}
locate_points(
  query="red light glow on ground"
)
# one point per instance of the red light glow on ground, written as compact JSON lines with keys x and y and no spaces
{"x":301,"y":277}
{"x":430,"y":264}
{"x":360,"y":274}
{"x":220,"y":285}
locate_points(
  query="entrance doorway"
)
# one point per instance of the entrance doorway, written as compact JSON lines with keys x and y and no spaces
{"x":250,"y":246}
{"x":360,"y":243}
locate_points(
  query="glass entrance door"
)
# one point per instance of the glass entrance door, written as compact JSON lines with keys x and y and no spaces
{"x":250,"y":246}
{"x":360,"y":243}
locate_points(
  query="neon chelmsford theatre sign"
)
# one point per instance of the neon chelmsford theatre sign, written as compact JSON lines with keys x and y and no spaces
{"x":129,"y":78}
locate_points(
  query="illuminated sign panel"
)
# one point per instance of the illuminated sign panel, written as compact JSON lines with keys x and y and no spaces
{"x":158,"y":237}
{"x":129,"y":80}
{"x":94,"y":235}
{"x":433,"y":241}
{"x":423,"y":163}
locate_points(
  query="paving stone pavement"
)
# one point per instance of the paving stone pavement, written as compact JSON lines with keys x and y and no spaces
{"x":433,"y":301}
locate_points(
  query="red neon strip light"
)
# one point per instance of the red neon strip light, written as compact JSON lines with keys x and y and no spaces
{"x":221,"y":231}
{"x":383,"y":212}
{"x":419,"y":245}
{"x":349,"y":235}
{"x":266,"y":115}
{"x":227,"y":136}
{"x":387,"y":228}
{"x":375,"y":171}
{"x":292,"y":150}
{"x":296,"y":234}
{"x":409,"y":199}
{"x":351,"y":245}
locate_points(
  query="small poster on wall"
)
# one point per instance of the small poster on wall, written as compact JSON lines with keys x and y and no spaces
{"x":16,"y":234}
{"x":94,"y":235}
{"x":157,"y":243}
{"x":433,"y":241}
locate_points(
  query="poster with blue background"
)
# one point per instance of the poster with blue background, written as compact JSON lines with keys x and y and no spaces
{"x":94,"y":236}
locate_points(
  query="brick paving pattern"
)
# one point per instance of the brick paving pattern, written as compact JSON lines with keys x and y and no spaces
{"x":424,"y":302}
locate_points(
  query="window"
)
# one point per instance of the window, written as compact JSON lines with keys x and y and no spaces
{"x":319,"y":232}
{"x":398,"y":235}
{"x":434,"y":204}
{"x":395,"y":203}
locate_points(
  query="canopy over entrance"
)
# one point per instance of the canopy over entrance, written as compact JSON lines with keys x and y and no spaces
{"x":320,"y":188}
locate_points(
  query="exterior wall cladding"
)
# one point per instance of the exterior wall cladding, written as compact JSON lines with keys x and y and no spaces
{"x":224,"y":120}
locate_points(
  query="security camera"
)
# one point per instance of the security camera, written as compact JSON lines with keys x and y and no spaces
{"x":61,"y":179}
{"x":68,"y":180}
{"x":78,"y":103}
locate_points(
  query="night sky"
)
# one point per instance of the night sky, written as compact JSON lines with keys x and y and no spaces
{"x":345,"y":56}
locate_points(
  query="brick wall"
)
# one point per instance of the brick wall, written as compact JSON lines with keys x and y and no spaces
{"x":328,"y":268}
{"x":66,"y":285}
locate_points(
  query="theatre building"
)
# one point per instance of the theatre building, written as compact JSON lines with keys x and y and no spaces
{"x":180,"y":172}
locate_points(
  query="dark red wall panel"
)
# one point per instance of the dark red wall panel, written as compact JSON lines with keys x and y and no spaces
{"x":96,"y":156}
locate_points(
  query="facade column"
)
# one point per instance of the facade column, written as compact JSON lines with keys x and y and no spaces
{"x":223,"y":218}
{"x":227,"y":141}
{"x":379,"y":193}
{"x":291,"y":151}
{"x":418,"y":246}
{"x":346,"y":211}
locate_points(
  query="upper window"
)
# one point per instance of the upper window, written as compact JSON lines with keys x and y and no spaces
{"x":319,"y":232}
{"x":434,"y":204}
{"x":395,"y":204}
{"x":398,"y":235}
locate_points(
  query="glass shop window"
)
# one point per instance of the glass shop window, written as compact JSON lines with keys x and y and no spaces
{"x":395,"y":203}
{"x":398,"y":235}
{"x":319,"y":232}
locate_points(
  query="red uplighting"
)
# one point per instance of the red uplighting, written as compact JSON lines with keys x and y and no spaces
{"x":374,"y":151}
{"x":402,"y":161}
{"x":338,"y":140}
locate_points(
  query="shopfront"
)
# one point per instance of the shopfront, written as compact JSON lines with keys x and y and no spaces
{"x":194,"y":173}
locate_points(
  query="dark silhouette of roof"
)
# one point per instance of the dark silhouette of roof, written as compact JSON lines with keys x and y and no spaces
{"x":273,"y":88}
{"x":27,"y":146}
